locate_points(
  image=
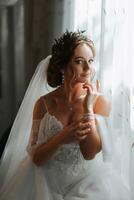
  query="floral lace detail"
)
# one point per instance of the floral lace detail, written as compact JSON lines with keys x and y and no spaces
{"x":33,"y":135}
{"x":49,"y":127}
{"x":69,"y":154}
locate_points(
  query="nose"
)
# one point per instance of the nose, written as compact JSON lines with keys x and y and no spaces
{"x":87,"y":66}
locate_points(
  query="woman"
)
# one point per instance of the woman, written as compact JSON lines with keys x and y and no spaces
{"x":69,"y":145}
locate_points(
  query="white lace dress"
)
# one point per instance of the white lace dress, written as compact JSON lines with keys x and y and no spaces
{"x":67,"y":176}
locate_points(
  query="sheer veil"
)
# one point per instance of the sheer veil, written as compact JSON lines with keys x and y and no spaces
{"x":15,"y":150}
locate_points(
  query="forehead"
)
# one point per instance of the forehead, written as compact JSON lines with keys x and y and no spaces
{"x":83,"y":50}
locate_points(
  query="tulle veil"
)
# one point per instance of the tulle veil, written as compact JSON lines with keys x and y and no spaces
{"x":15,"y":149}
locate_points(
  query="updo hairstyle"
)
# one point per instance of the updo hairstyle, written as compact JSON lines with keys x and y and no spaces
{"x":62,"y":51}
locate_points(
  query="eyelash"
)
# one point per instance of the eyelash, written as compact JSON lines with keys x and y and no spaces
{"x":91,"y":60}
{"x":78,"y":61}
{"x":81,"y":61}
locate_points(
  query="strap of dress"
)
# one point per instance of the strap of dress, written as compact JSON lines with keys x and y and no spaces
{"x":45,"y":104}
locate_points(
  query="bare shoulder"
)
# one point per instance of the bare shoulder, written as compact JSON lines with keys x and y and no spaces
{"x":42,"y":105}
{"x":103,"y":106}
{"x":48,"y":100}
{"x":39,"y":109}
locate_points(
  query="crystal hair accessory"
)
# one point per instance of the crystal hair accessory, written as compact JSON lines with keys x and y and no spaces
{"x":62,"y":77}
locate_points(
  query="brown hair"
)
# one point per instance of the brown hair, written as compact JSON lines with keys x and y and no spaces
{"x":62,"y":51}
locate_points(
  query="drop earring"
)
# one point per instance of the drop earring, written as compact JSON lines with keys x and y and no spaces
{"x":62,"y":77}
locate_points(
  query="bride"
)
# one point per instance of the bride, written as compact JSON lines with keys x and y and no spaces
{"x":60,"y":146}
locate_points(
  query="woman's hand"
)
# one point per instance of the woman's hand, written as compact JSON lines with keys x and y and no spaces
{"x":91,"y":91}
{"x":76,"y":131}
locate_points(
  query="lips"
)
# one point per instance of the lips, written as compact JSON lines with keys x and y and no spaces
{"x":85,"y":75}
{"x":83,"y":78}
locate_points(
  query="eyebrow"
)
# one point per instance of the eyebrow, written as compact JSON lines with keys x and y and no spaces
{"x":82,"y":57}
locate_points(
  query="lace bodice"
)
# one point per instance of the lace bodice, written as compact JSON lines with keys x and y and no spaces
{"x":67,"y":153}
{"x":45,"y":127}
{"x":70,"y":154}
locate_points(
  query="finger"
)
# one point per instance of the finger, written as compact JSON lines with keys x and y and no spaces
{"x":82,"y":124}
{"x":74,"y":125}
{"x":78,"y":122}
{"x":85,"y":125}
{"x":82,"y":138}
{"x":83,"y":132}
{"x":98,"y":85}
{"x":78,"y":137}
{"x":88,"y":87}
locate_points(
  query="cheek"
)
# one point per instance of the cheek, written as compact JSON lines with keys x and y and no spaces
{"x":70,"y":74}
{"x":74,"y":72}
{"x":78,"y":70}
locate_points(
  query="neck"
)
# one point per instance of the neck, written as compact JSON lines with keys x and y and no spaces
{"x":74,"y":93}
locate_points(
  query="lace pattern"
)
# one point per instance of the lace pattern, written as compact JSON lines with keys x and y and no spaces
{"x":68,"y":154}
{"x":51,"y":126}
{"x":33,"y":135}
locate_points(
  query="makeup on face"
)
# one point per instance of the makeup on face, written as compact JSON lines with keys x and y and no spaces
{"x":82,"y":63}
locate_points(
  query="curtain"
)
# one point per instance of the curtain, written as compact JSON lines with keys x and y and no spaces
{"x":110,"y":25}
{"x":7,"y":2}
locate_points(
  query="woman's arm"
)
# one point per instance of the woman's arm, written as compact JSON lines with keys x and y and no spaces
{"x":40,"y":154}
{"x":43,"y":152}
{"x":91,"y":145}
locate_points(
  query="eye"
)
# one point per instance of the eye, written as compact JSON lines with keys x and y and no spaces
{"x":79,"y":61}
{"x":91,"y":61}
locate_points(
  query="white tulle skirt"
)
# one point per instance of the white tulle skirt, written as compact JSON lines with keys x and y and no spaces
{"x":57,"y":181}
